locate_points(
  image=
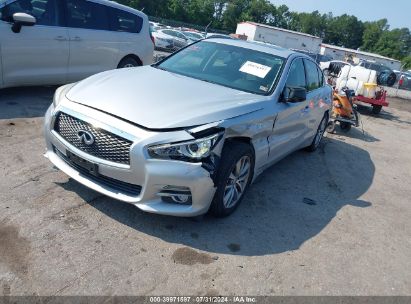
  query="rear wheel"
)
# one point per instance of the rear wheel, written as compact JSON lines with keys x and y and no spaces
{"x":233,"y":178}
{"x":376,"y":109}
{"x":319,"y":135}
{"x":128,"y":62}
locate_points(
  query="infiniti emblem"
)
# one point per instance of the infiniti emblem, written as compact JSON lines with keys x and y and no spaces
{"x":85,"y":137}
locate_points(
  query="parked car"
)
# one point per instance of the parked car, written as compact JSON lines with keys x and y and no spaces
{"x":156,"y":24}
{"x":385,"y":76}
{"x":193,"y":36}
{"x":188,"y":134}
{"x":61,"y":41}
{"x":404,"y":80}
{"x":218,"y":35}
{"x":179,"y":39}
{"x":162,"y":41}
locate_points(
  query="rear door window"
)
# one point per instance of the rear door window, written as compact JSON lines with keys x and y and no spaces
{"x":311,"y":72}
{"x":86,"y":15}
{"x":122,"y":21}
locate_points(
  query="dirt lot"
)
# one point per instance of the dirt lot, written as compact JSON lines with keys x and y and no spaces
{"x":336,"y":222}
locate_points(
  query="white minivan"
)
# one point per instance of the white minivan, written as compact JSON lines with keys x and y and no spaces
{"x":44,"y":42}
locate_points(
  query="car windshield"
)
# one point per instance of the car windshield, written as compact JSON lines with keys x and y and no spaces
{"x":227,"y":65}
{"x":193,"y":35}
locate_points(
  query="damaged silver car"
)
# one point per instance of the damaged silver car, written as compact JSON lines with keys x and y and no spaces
{"x":188,"y":134}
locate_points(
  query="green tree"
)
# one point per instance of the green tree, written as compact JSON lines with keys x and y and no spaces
{"x":311,"y":23}
{"x":260,"y":11}
{"x":372,"y":33}
{"x":282,"y":17}
{"x":344,"y":30}
{"x":232,"y":13}
{"x":394,"y":44}
{"x":406,"y":61}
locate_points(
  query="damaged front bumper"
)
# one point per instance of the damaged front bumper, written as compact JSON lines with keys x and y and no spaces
{"x":161,"y":186}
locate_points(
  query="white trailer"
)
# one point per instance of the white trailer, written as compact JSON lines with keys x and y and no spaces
{"x":278,"y":36}
{"x":344,"y":54}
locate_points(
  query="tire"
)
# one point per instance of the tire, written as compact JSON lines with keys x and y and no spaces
{"x":345,"y":126}
{"x":227,"y":197}
{"x":128,"y":62}
{"x":319,"y":134}
{"x":376,"y":109}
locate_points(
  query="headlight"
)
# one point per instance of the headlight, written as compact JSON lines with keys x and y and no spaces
{"x":192,"y":150}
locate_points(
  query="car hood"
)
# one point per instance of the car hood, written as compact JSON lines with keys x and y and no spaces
{"x":157,"y":99}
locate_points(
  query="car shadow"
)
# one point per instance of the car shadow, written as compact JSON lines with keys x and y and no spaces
{"x":383,"y":115}
{"x":357,"y":133}
{"x":290,"y":204}
{"x":25,"y":102}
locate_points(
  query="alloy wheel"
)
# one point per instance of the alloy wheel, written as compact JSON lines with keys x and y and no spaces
{"x":320,"y":132}
{"x":237,"y":182}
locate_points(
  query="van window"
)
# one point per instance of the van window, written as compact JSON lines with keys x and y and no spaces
{"x":312,"y":75}
{"x":296,"y":76}
{"x":121,"y":21}
{"x":45,"y":12}
{"x":87,"y":15}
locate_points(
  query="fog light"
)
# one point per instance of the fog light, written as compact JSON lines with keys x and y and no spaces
{"x":181,"y":199}
{"x":176,"y":195}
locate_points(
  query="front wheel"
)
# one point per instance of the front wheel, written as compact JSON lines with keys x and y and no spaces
{"x":233,"y":178}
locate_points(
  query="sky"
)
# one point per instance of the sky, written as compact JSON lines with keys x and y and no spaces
{"x":397,"y":12}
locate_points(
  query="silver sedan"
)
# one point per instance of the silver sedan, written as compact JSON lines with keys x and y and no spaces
{"x":189,"y":134}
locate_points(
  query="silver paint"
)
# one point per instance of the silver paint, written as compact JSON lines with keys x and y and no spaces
{"x":151,"y":106}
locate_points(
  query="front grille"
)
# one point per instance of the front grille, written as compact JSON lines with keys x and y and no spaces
{"x":113,"y":184}
{"x":107,"y":145}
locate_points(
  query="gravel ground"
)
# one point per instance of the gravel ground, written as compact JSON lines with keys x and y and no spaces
{"x":335,"y":222}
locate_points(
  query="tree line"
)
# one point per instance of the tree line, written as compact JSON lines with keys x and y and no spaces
{"x":345,"y":30}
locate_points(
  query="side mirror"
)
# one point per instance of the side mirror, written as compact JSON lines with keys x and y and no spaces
{"x":294,"y":94}
{"x":22,"y":19}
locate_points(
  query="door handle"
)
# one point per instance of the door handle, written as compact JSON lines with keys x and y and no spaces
{"x":60,"y":38}
{"x":77,"y":38}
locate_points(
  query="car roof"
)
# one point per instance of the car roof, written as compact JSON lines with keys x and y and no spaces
{"x":257,"y":46}
{"x":120,"y":6}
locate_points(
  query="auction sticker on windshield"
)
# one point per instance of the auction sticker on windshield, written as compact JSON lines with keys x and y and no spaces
{"x":255,"y":69}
